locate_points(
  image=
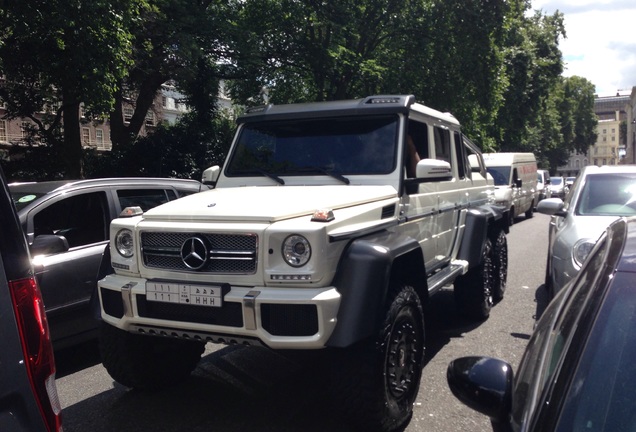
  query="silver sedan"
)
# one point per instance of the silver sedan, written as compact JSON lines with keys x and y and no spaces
{"x":600,"y":196}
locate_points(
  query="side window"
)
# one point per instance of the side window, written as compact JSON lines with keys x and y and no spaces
{"x":82,"y":219}
{"x":462,"y":161}
{"x":417,"y":146}
{"x":550,"y":338}
{"x":144,"y":198}
{"x":475,"y":163}
{"x":442,"y":144}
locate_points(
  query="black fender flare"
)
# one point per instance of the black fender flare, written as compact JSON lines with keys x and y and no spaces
{"x":363,"y":279}
{"x":480,"y":222}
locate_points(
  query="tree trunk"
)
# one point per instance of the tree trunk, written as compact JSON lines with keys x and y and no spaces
{"x":72,"y":143}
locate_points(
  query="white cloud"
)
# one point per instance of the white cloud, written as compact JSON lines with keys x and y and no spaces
{"x":600,"y":44}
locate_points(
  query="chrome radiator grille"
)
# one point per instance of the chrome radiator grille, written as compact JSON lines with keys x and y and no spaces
{"x":200,"y":252}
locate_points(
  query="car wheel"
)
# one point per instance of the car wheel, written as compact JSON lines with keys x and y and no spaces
{"x":548,"y":279}
{"x":530,"y":211}
{"x":499,"y":265}
{"x":375,"y":382}
{"x":473,"y":291}
{"x":147,"y":362}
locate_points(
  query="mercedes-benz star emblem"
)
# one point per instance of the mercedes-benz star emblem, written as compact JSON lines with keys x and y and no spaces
{"x":194,"y":253}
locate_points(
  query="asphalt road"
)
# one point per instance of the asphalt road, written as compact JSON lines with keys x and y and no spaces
{"x":251,"y":389}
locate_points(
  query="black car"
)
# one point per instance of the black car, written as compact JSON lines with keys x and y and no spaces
{"x":28,"y":396}
{"x":578,"y":372}
{"x":67,"y":227}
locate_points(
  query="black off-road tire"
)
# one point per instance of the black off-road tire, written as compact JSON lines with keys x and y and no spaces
{"x":375,"y":382}
{"x":473,"y":291}
{"x":147,"y":362}
{"x":499,"y":264}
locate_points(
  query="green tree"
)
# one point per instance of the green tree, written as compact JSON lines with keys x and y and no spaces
{"x":58,"y":55}
{"x":577,"y":120}
{"x":174,"y":40}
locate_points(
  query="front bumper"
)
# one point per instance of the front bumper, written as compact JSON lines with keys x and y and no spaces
{"x":281,"y":318}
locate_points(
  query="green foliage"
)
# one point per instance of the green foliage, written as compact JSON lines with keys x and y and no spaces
{"x":496,"y":67}
{"x":183,"y":150}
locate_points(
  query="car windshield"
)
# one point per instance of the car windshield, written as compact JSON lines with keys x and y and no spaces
{"x":23,"y":198}
{"x":24,"y":194}
{"x":501,"y":175}
{"x":556,"y":181}
{"x":611,"y":194}
{"x":334,"y":147}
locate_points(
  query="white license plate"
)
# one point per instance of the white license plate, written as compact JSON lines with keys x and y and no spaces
{"x":197,"y":295}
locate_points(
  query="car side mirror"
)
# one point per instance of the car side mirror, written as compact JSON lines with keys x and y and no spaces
{"x":518,"y":183}
{"x":48,"y":244}
{"x":433,"y":169}
{"x":483,"y":384}
{"x":552,"y":207}
{"x":211,"y":175}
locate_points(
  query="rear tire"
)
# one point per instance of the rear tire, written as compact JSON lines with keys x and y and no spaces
{"x":147,"y":362}
{"x":375,"y":382}
{"x":473,"y":291}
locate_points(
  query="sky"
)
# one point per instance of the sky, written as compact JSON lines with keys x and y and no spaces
{"x":600,"y":42}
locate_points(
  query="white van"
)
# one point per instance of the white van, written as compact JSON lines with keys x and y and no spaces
{"x":515,"y":176}
{"x":543,"y":185}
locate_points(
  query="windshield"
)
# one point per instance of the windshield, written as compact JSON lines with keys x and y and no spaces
{"x":556,"y":181}
{"x":608,"y":195}
{"x":335,"y":146}
{"x":501,"y":175}
{"x":23,"y":198}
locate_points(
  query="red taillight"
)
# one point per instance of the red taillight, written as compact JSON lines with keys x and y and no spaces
{"x":38,"y":351}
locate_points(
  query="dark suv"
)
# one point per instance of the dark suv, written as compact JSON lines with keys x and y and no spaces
{"x":28,"y":396}
{"x":67,"y":225}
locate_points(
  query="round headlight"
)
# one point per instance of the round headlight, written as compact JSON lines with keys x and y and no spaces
{"x":581,"y":250}
{"x":124,"y":243}
{"x":296,"y":250}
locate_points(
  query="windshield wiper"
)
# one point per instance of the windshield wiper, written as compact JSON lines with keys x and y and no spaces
{"x":262,"y":172}
{"x":269,"y":175}
{"x":325,"y":171}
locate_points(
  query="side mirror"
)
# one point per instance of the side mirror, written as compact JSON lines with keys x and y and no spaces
{"x":433,"y":169}
{"x":473,"y":160}
{"x":552,"y":207}
{"x":48,"y":244}
{"x":211,"y":175}
{"x":518,"y":183}
{"x":483,"y":384}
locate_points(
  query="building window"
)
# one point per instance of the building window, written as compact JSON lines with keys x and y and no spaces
{"x":128,"y":113}
{"x":3,"y":131}
{"x":86,"y":136}
{"x":24,"y":129}
{"x":604,"y":131}
{"x":99,"y":137}
{"x":604,"y":161}
{"x":604,"y":139}
{"x":613,"y":162}
{"x":150,"y":118}
{"x":577,"y":163}
{"x":164,"y":101}
{"x":595,"y":161}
